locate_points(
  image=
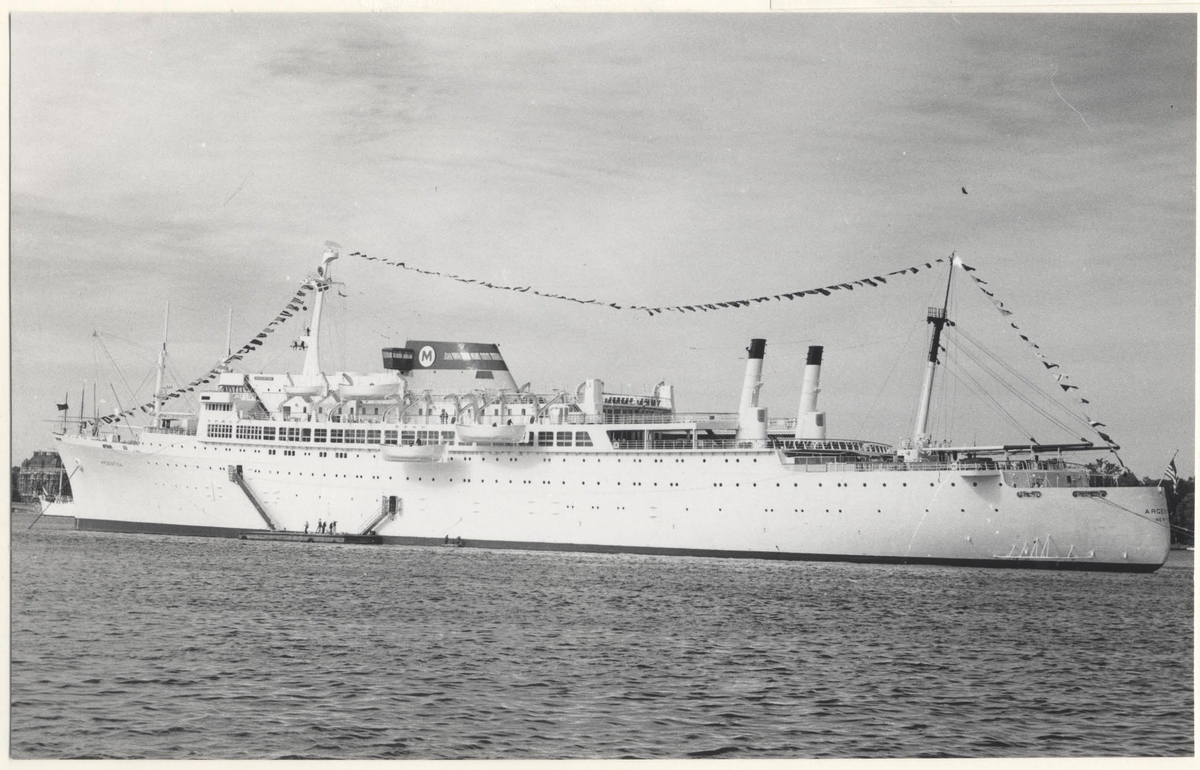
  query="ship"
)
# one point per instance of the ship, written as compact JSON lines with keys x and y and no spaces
{"x":440,"y":445}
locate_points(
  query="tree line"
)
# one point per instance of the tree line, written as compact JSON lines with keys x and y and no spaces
{"x":1181,"y":497}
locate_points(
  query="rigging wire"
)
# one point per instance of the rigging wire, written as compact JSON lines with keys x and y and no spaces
{"x":1050,"y":397}
{"x":1039,"y":409}
{"x":988,"y":400}
{"x":1017,"y":394}
{"x":116,"y":369}
{"x":895,"y":363}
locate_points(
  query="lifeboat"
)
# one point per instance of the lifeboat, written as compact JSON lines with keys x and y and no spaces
{"x":304,"y":391}
{"x":419,"y":453}
{"x":492,"y":434}
{"x":368,"y":391}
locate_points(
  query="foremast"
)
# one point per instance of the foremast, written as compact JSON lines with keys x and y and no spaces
{"x":162,"y":368}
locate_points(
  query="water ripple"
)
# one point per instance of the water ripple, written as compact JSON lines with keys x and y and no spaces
{"x":170,"y":648}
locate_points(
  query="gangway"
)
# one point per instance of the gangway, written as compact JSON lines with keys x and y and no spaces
{"x":389,"y":506}
{"x":235,"y":475}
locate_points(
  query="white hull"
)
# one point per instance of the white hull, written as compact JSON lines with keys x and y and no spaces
{"x":712,"y":502}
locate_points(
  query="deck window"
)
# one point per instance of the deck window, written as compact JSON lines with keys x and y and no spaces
{"x":563,"y":438}
{"x":545,"y":438}
{"x":582,"y":438}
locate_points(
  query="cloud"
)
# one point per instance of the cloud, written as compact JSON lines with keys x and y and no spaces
{"x":649,"y":159}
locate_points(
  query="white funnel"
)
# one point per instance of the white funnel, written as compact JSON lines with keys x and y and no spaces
{"x":752,"y":421}
{"x":809,"y":422}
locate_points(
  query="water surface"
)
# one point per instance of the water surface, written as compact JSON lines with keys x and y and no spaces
{"x":166,"y":647}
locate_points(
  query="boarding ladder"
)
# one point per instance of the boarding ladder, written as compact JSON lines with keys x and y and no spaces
{"x":235,"y":475}
{"x":388,"y":507}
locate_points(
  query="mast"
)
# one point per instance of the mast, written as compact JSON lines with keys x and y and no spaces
{"x":82,"y":398}
{"x":229,"y":336}
{"x":120,"y":411}
{"x":162,"y":366}
{"x":937,"y":317}
{"x":312,"y":337}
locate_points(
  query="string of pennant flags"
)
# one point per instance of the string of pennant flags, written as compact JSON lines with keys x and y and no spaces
{"x":873,"y":281}
{"x":1058,"y":376}
{"x":826,"y":291}
{"x":298,"y":304}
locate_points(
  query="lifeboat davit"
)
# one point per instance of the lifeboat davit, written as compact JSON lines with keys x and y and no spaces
{"x":492,"y":434}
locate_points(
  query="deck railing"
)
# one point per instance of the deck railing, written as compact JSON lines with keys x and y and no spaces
{"x":172,"y":431}
{"x":648,"y":418}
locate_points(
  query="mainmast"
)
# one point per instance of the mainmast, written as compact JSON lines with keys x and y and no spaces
{"x":937,"y":317}
{"x":312,"y":337}
{"x":162,"y":367}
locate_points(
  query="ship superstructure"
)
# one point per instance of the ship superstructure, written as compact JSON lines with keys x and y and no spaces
{"x":441,"y":444}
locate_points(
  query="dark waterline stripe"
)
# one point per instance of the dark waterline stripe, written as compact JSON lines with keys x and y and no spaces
{"x":132,"y":527}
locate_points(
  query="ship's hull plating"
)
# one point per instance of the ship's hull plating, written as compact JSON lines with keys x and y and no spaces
{"x":729,"y":504}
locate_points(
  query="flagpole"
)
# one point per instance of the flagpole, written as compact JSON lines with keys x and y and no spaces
{"x":1173,"y":454}
{"x":66,"y":396}
{"x":122,"y":411}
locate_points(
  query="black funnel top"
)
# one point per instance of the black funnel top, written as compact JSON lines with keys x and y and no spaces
{"x":757,"y":348}
{"x":814,"y":355}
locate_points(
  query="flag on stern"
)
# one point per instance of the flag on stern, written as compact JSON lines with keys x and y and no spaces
{"x":1171,"y":474}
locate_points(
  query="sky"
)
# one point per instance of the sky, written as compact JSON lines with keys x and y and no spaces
{"x":649,"y":159}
